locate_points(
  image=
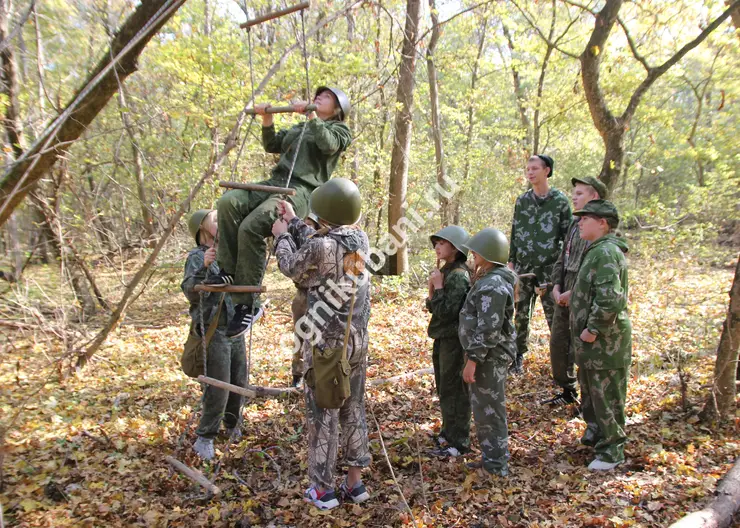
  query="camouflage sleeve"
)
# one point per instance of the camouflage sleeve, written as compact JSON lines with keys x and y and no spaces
{"x":608,"y":298}
{"x":300,"y":231}
{"x":272,"y":141}
{"x":512,"y":245}
{"x":558,"y":274}
{"x":195,"y":273}
{"x":447,"y":302}
{"x":490,"y":302}
{"x":299,"y":265}
{"x":566,"y":215}
{"x":330,"y":137}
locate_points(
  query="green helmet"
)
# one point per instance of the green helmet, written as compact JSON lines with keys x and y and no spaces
{"x":337,"y":202}
{"x":195,"y":222}
{"x":453,"y":234}
{"x":491,"y":244}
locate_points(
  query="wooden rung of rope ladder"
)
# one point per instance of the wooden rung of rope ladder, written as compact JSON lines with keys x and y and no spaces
{"x":280,"y":109}
{"x":275,"y":14}
{"x":257,"y":187}
{"x":250,"y":391}
{"x":230,"y":289}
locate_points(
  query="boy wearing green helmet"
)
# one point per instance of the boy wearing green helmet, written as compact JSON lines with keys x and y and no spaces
{"x":225,"y":358}
{"x":488,"y":337}
{"x":311,"y":150}
{"x":448,"y":287}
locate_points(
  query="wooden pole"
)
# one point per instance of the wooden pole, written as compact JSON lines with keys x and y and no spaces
{"x":257,"y":187}
{"x":194,"y":475}
{"x":230,"y":289}
{"x":250,"y":391}
{"x":281,"y":109}
{"x":275,"y":14}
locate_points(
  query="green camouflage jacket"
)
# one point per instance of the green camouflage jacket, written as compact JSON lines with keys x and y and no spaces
{"x":599,"y":303}
{"x":569,"y":261}
{"x":446,"y":303}
{"x":322,"y":145}
{"x":537,"y":232}
{"x":196,"y":273}
{"x":487,"y":319}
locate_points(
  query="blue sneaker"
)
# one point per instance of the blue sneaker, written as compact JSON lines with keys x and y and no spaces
{"x":357,"y":494}
{"x":322,"y":500}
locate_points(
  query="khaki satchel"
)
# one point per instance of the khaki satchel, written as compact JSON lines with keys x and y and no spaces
{"x":329,"y":375}
{"x":192,"y":358}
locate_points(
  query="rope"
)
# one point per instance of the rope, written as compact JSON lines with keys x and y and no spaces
{"x":203,"y":336}
{"x":251,"y":99}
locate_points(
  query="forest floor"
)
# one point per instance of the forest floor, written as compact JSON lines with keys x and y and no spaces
{"x":89,"y":449}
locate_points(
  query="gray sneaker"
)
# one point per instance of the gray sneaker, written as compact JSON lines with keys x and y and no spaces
{"x":204,"y":448}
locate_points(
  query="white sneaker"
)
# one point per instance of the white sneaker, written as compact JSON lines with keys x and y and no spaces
{"x":204,"y":448}
{"x":601,"y":465}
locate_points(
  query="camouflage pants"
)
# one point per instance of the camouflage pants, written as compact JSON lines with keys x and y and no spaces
{"x":488,"y":399}
{"x":562,"y":354}
{"x":227,"y":362}
{"x":299,"y":307}
{"x":449,"y":359}
{"x":323,"y":424}
{"x":524,"y":308}
{"x":603,"y":395}
{"x":245,"y":219}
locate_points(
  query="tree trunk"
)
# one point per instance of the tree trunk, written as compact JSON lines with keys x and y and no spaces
{"x":721,"y":400}
{"x":398,"y":261}
{"x":444,"y":202}
{"x":541,"y":85}
{"x":90,"y":99}
{"x":521,"y":97}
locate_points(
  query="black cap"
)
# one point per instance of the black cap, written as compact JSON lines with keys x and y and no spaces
{"x":548,"y":161}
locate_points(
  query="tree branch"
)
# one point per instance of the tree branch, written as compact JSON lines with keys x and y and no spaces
{"x":542,"y":35}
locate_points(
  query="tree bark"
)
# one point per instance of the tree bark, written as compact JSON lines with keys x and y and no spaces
{"x":521,"y":97}
{"x":84,"y":106}
{"x":721,"y":399}
{"x":444,"y":202}
{"x":398,"y":261}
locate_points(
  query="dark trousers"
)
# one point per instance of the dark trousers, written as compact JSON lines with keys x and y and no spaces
{"x":449,"y":360}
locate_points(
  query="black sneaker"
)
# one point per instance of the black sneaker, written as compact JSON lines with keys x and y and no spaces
{"x":445,"y":452}
{"x":517,"y":367}
{"x":221,"y":279}
{"x":243,"y":320}
{"x":559,"y":400}
{"x":357,"y":494}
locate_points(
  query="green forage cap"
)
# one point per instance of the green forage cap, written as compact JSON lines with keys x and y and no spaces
{"x":593,"y":182}
{"x":491,"y":244}
{"x":453,"y":234}
{"x":337,"y":202}
{"x":195,"y":222}
{"x":601,"y":208}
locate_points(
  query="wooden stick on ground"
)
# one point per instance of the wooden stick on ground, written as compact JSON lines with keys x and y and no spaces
{"x":194,"y":475}
{"x":251,"y":391}
{"x":230,"y":289}
{"x":383,"y":381}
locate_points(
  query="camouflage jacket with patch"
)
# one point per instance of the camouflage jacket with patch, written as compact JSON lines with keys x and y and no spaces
{"x":487,"y":319}
{"x":537,"y":232}
{"x":320,"y":149}
{"x":569,"y":261}
{"x":599,"y":303}
{"x":446,"y":302}
{"x":323,"y":266}
{"x":196,"y":273}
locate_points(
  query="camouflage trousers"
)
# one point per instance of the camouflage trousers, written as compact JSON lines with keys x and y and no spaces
{"x":245,"y":219}
{"x":323,"y":424}
{"x":227,"y":361}
{"x":524,"y":307}
{"x":449,"y":359}
{"x":299,"y":307}
{"x":603,"y":396}
{"x":488,"y":400}
{"x":562,"y":354}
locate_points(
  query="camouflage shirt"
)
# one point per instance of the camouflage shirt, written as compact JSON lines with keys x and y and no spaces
{"x":487,"y":318}
{"x":196,"y":273}
{"x":599,"y":303}
{"x":569,"y":261}
{"x":446,"y":302}
{"x":537,"y":232}
{"x":320,"y":149}
{"x":321,"y":266}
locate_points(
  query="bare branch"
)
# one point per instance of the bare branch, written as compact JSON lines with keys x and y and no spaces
{"x":542,"y":35}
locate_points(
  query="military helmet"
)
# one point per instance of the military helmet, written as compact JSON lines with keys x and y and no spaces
{"x":491,"y":244}
{"x":455,"y":235}
{"x":196,"y":220}
{"x":337,"y":202}
{"x":341,"y":98}
{"x":312,"y":216}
